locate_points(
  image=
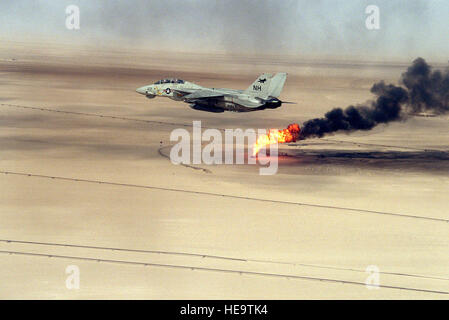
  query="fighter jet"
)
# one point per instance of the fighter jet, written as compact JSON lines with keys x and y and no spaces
{"x":262,"y":94}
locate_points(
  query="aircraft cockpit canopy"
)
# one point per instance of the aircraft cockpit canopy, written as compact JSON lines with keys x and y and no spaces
{"x":169,"y":80}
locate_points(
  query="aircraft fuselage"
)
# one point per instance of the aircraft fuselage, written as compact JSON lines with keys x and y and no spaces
{"x":256,"y":97}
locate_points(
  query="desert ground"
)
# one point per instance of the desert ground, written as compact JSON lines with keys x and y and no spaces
{"x":85,"y":180}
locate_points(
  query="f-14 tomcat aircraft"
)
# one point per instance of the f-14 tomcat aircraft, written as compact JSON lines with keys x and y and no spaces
{"x":262,"y":94}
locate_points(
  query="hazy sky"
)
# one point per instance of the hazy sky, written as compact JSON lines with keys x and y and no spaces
{"x":408,"y":28}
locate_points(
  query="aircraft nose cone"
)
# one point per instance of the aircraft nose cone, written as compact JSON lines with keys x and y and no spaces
{"x":141,"y":90}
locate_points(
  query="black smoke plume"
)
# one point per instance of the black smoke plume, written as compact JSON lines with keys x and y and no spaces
{"x":425,"y":90}
{"x":428,"y":90}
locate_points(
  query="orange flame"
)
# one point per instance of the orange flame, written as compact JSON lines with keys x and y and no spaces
{"x":291,"y":134}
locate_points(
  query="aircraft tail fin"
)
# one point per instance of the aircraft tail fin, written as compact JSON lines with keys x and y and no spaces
{"x":267,"y":85}
{"x":260,"y":87}
{"x":277,"y":84}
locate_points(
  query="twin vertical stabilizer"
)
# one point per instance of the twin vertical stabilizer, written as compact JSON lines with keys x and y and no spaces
{"x":267,"y":85}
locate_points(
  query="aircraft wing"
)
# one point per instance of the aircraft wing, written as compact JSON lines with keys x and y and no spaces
{"x":184,"y":91}
{"x":203,"y":94}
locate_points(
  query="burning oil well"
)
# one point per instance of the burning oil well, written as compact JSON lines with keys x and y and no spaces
{"x":422,"y":90}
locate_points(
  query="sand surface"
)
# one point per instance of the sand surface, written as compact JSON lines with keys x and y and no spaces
{"x":84,"y":162}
